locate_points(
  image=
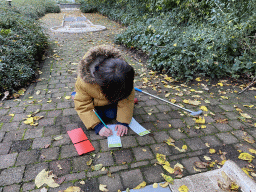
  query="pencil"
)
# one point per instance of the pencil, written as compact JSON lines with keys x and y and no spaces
{"x":100,"y":118}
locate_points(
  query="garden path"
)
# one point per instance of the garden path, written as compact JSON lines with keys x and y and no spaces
{"x":25,"y":150}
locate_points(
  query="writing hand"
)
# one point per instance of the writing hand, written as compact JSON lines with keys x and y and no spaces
{"x":121,"y":130}
{"x":105,"y":132}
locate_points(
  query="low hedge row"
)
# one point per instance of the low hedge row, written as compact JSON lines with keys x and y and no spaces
{"x":188,"y":38}
{"x":22,"y":43}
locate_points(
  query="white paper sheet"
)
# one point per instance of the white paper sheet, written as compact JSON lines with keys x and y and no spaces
{"x":137,"y":128}
{"x":114,"y":140}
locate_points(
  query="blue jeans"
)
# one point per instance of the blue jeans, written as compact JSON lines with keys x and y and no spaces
{"x":107,"y":112}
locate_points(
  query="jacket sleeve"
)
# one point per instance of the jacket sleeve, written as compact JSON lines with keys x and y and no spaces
{"x":84,"y":105}
{"x":125,"y":109}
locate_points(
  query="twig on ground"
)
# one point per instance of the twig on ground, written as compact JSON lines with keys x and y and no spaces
{"x":252,"y":83}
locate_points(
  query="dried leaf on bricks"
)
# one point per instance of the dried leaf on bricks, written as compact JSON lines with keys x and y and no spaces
{"x":141,"y":185}
{"x":44,"y":177}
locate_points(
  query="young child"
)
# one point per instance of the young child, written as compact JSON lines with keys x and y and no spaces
{"x":105,"y":83}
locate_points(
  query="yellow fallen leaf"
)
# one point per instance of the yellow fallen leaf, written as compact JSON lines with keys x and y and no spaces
{"x":31,"y":97}
{"x":185,"y":147}
{"x":169,"y":169}
{"x":141,"y":185}
{"x":234,"y":186}
{"x":170,"y":125}
{"x":36,"y":118}
{"x":73,"y":189}
{"x":249,"y":139}
{"x":207,"y":144}
{"x":144,"y":150}
{"x":198,"y":79}
{"x":239,"y":110}
{"x":49,"y":101}
{"x":29,"y":120}
{"x":155,"y":185}
{"x":164,"y":184}
{"x":67,"y":97}
{"x":245,"y":115}
{"x":246,"y":156}
{"x":192,"y":90}
{"x":167,"y":178}
{"x":168,"y":86}
{"x":162,"y":159}
{"x":212,"y":151}
{"x":183,"y":188}
{"x":103,"y":187}
{"x":175,"y":44}
{"x":149,"y":113}
{"x":222,"y":162}
{"x":194,"y":102}
{"x":246,"y":172}
{"x":34,"y":124}
{"x":44,"y":178}
{"x":204,"y":108}
{"x":145,"y":80}
{"x":207,"y":158}
{"x":185,"y":101}
{"x":252,"y":151}
{"x":203,"y":126}
{"x":220,"y":84}
{"x":200,"y":120}
{"x":180,"y":150}
{"x":250,"y":106}
{"x":103,"y":168}
{"x":224,"y":97}
{"x":167,"y":95}
{"x":170,"y":141}
{"x":173,"y":100}
{"x":12,"y":115}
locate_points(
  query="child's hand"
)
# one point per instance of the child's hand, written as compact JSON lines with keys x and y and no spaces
{"x":121,"y":130}
{"x":105,"y":132}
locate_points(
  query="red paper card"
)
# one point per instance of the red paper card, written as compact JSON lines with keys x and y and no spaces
{"x":77,"y":135}
{"x":84,"y":147}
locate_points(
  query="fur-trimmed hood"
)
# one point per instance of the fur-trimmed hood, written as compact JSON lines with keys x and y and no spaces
{"x":93,"y":57}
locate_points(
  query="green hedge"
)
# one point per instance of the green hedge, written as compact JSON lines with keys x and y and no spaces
{"x":189,"y":38}
{"x":22,"y":45}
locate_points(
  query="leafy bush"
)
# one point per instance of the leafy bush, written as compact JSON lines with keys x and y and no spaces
{"x":22,"y":45}
{"x":88,"y":8}
{"x":186,"y":38}
{"x":35,"y":8}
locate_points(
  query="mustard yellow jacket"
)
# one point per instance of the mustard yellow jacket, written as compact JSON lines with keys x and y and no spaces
{"x":88,"y":92}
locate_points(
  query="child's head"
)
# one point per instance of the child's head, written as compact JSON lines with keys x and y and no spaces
{"x":115,"y":77}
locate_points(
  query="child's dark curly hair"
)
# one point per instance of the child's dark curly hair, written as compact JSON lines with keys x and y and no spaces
{"x":115,"y":77}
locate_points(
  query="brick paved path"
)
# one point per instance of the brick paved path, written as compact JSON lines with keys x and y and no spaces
{"x":26,"y":150}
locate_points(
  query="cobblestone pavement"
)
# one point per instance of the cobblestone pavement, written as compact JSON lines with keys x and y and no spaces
{"x":25,"y":150}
